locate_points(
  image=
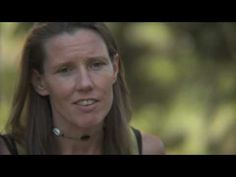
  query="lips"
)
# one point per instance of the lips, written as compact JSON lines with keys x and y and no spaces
{"x":86,"y":105}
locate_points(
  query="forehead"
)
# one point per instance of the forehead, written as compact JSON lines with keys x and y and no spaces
{"x":81,"y":43}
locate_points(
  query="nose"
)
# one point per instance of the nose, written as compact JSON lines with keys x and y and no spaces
{"x":84,"y":81}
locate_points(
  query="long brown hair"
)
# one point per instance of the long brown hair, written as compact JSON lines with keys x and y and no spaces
{"x":30,"y":121}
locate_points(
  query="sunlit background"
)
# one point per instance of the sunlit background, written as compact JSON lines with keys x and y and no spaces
{"x":181,"y":78}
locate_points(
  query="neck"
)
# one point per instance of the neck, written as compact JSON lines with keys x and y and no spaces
{"x":68,"y":144}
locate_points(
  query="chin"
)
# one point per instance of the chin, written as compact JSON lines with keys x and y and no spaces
{"x":89,"y":122}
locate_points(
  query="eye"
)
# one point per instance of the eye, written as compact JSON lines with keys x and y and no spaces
{"x":97,"y":65}
{"x":64,"y":70}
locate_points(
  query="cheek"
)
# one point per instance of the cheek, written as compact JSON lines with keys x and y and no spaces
{"x":106,"y":90}
{"x":105,"y":77}
{"x":104,"y":82}
{"x":59,"y":89}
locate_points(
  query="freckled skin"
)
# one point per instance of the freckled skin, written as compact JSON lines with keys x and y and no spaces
{"x":78,"y":66}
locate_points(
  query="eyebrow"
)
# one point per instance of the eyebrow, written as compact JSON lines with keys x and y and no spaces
{"x":99,"y":57}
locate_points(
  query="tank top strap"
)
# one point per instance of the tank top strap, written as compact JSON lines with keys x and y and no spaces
{"x":10,"y":143}
{"x":136,"y":141}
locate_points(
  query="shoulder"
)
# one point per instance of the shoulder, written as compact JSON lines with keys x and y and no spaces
{"x":152,"y":145}
{"x":3,"y":147}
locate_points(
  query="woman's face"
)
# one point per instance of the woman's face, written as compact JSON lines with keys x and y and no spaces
{"x":78,"y":78}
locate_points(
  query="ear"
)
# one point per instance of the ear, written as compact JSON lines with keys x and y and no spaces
{"x":38,"y":83}
{"x":115,"y":63}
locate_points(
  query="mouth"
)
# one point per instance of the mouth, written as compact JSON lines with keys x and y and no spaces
{"x":85,"y":102}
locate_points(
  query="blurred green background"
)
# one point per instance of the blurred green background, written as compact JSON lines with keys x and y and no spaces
{"x":181,"y":78}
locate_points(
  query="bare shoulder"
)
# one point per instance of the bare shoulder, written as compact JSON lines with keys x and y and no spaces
{"x":152,"y":145}
{"x":3,"y":148}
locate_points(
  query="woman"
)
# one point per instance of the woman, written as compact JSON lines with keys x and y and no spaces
{"x":72,"y":97}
